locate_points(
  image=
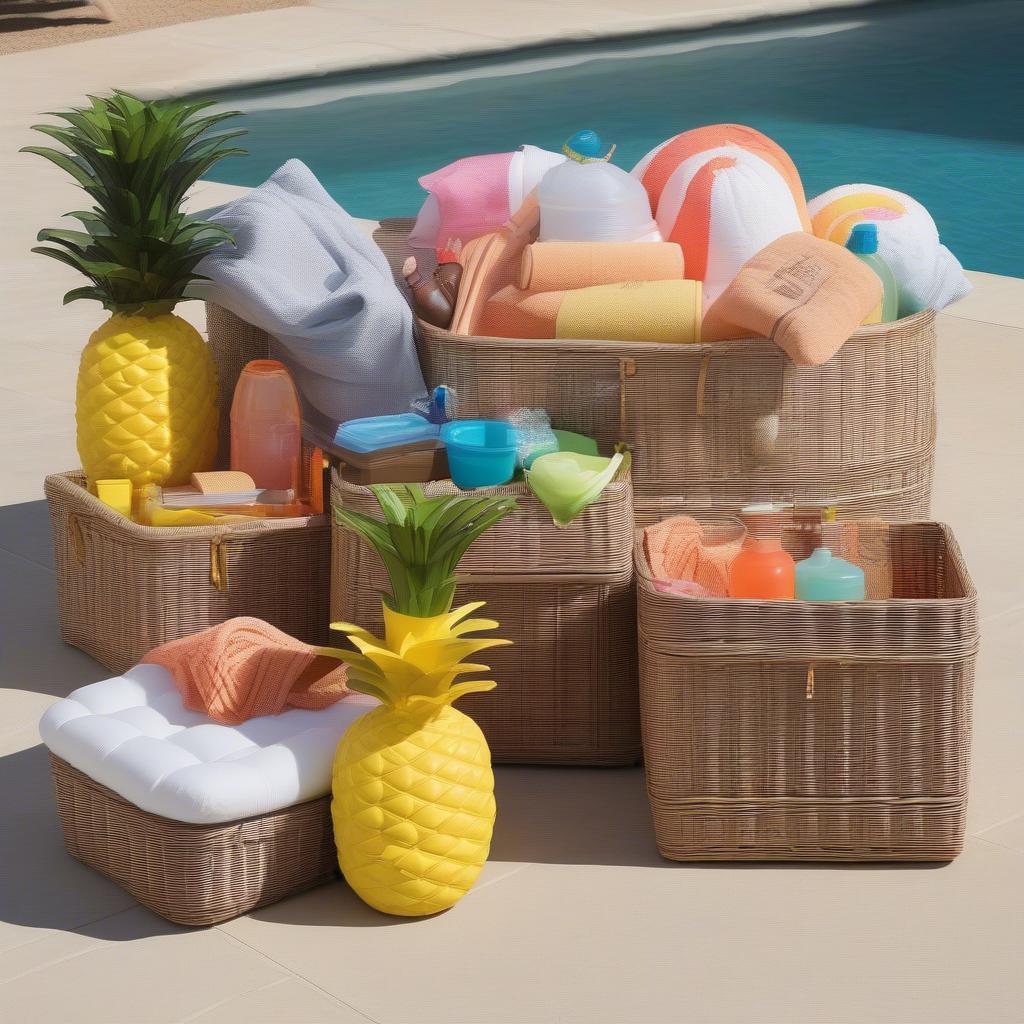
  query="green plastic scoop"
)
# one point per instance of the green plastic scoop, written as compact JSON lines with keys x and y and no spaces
{"x":567,"y":482}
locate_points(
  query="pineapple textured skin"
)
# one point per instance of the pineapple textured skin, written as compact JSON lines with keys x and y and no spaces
{"x":413,"y":808}
{"x":146,"y":405}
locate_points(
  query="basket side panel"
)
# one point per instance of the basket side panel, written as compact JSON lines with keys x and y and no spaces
{"x":189,"y":874}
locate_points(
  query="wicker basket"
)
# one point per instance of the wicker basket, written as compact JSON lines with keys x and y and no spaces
{"x":125,"y":588}
{"x":567,"y":691}
{"x":714,"y":427}
{"x":194,"y":874}
{"x":792,"y":730}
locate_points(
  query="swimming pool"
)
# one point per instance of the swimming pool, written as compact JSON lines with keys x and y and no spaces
{"x":922,"y":97}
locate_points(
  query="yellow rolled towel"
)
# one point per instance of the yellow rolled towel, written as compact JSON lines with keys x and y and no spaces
{"x":557,"y":266}
{"x":659,"y":311}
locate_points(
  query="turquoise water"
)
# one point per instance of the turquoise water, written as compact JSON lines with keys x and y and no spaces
{"x":927,"y":98}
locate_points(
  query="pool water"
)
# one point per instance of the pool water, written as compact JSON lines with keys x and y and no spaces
{"x":927,"y":98}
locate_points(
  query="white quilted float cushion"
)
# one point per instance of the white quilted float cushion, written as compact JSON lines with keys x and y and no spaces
{"x":133,"y":735}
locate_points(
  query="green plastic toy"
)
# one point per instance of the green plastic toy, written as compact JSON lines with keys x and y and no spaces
{"x":567,"y":482}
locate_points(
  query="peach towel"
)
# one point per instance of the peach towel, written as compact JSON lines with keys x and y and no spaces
{"x":654,"y":311}
{"x":676,"y":550}
{"x":806,"y":294}
{"x":555,"y":266}
{"x":245,"y":668}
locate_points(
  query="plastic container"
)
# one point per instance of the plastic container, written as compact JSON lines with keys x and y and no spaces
{"x":594,"y":202}
{"x":863,"y":243}
{"x":823,"y":576}
{"x":763,"y":570}
{"x":266,"y":426}
{"x":481,"y":453}
{"x":373,"y":433}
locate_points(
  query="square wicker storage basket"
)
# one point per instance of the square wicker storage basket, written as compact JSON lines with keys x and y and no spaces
{"x":125,"y":588}
{"x":567,"y":690}
{"x":794,"y":730}
{"x":194,"y":874}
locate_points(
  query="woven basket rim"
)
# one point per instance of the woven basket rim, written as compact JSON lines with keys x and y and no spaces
{"x":72,"y":484}
{"x":645,"y":581}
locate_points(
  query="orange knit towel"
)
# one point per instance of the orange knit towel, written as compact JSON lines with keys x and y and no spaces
{"x":806,"y":294}
{"x":676,"y":550}
{"x":245,"y":668}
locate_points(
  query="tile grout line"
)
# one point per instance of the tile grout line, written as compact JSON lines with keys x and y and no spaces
{"x":228,"y":999}
{"x":998,"y":824}
{"x":295,"y":974}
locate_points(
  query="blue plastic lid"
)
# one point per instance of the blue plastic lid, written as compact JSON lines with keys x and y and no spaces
{"x":586,"y":146}
{"x":375,"y":432}
{"x":863,"y":239}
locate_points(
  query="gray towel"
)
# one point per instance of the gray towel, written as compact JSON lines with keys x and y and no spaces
{"x":303,"y":271}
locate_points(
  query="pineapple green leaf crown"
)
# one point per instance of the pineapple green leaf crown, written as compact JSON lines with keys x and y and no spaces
{"x":136,"y":160}
{"x":422,"y":540}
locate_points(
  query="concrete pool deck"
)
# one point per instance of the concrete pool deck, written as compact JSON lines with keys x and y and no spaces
{"x":576,"y":918}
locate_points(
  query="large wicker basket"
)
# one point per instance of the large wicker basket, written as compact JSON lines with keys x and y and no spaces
{"x":567,"y":691}
{"x":792,"y":730}
{"x":715,"y":427}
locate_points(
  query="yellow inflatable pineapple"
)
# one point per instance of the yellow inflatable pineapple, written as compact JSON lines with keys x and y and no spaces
{"x":413,"y":789}
{"x":147,"y":391}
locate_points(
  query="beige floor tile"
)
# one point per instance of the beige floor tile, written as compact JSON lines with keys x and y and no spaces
{"x":995,"y":300}
{"x":45,"y":890}
{"x":1008,"y":833}
{"x":25,"y":531}
{"x":131,"y":968}
{"x":288,"y":1001}
{"x":606,"y":944}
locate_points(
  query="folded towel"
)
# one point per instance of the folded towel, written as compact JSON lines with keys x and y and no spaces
{"x":806,"y":294}
{"x":245,"y":668}
{"x":554,"y":266}
{"x":927,"y":273}
{"x":722,"y":192}
{"x":477,"y":194}
{"x":655,"y":311}
{"x":305,"y":272}
{"x":676,"y":550}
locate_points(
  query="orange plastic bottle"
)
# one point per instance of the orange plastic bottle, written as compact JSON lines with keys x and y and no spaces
{"x":763,"y":570}
{"x":266,"y":426}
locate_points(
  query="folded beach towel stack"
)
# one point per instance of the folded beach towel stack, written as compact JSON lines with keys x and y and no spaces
{"x":304,"y":271}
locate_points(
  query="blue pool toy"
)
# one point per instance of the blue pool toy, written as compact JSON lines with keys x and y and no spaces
{"x":481,"y":453}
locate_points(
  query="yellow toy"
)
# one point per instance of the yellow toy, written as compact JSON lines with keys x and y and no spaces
{"x":147,"y":392}
{"x":413,"y":788}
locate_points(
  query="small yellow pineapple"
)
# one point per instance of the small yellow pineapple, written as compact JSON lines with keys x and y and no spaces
{"x":413,"y":789}
{"x":147,"y":392}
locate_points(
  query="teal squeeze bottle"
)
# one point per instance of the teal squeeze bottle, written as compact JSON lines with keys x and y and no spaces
{"x":824,"y":577}
{"x":863,"y":243}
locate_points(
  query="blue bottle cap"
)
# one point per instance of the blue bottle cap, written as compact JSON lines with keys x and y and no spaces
{"x":863,"y":239}
{"x":586,"y":147}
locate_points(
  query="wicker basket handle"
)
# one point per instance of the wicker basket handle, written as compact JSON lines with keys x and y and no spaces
{"x":218,"y":562}
{"x":76,"y":538}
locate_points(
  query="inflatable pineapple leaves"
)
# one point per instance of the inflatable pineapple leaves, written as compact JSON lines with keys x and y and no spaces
{"x":147,"y":392}
{"x":413,"y":788}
